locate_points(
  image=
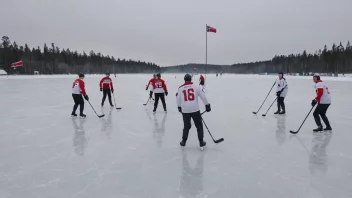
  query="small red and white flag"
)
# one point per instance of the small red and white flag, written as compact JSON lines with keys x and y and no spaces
{"x":17,"y":64}
{"x":211,"y":29}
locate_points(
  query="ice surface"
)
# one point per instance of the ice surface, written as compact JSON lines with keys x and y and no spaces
{"x":134,"y":153}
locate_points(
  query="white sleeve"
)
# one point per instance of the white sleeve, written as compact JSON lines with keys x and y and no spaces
{"x":202,"y":96}
{"x":178,"y":98}
{"x":283,"y":84}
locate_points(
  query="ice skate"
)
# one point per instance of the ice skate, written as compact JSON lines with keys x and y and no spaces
{"x":73,"y":114}
{"x":82,"y":115}
{"x":183,"y":143}
{"x":320,"y":128}
{"x":328,"y":128}
{"x":202,"y":145}
{"x":282,"y":112}
{"x":277,"y":112}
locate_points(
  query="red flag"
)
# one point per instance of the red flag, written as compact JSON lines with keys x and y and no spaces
{"x":17,"y":64}
{"x":211,"y":29}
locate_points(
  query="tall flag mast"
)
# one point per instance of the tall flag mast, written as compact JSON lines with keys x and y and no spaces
{"x":208,"y":29}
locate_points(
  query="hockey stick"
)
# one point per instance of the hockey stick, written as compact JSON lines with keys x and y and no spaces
{"x":215,"y":141}
{"x":118,"y":108}
{"x":269,"y":107}
{"x":147,"y":101}
{"x":99,"y":116}
{"x":295,"y":132}
{"x":265,"y":98}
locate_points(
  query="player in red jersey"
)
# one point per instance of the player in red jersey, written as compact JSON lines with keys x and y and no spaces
{"x":201,"y":80}
{"x":77,"y":91}
{"x":187,"y":103}
{"x":107,"y":88}
{"x":160,"y":90}
{"x":148,"y":85}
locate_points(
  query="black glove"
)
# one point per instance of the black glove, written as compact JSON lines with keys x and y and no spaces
{"x":207,"y":108}
{"x":86,"y":97}
{"x":101,"y":89}
{"x":278,"y":93}
{"x":150,"y":94}
{"x":179,"y":109}
{"x":166,"y":93}
{"x":314,"y":102}
{"x":146,"y":88}
{"x":112,"y":90}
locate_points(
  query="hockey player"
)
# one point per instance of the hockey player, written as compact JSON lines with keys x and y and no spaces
{"x":187,"y":103}
{"x":323,"y":99}
{"x":107,"y":88}
{"x":281,"y":92}
{"x":201,"y":80}
{"x":149,"y":84}
{"x":160,"y":90}
{"x":77,"y":91}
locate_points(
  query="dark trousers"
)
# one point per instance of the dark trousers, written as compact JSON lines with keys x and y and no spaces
{"x":162,"y":97}
{"x":78,"y":98}
{"x":106,"y":92}
{"x":280,"y":103}
{"x":201,"y":82}
{"x":197,"y":119}
{"x":320,"y":110}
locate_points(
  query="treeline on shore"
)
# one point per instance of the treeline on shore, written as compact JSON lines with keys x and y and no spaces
{"x":338,"y":59}
{"x":53,"y":60}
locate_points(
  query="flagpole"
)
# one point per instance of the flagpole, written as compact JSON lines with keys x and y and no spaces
{"x":206,"y":49}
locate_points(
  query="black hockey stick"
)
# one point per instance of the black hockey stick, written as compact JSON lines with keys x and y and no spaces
{"x":269,"y":107}
{"x":147,"y":101}
{"x":215,"y":141}
{"x":265,"y":98}
{"x":99,"y":116}
{"x":295,"y":132}
{"x":118,"y":108}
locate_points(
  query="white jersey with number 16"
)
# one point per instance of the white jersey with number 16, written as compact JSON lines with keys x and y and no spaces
{"x":187,"y":97}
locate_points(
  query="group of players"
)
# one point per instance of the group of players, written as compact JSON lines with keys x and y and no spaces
{"x":187,"y":100}
{"x":323,"y":99}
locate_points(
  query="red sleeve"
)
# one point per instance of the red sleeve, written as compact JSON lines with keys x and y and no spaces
{"x":111,"y":86}
{"x":101,"y":82}
{"x":81,"y":85}
{"x":320,"y":92}
{"x":151,"y":82}
{"x":164,"y":86}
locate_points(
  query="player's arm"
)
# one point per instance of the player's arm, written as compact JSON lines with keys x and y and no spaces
{"x":111,"y":85}
{"x":282,"y":85}
{"x":150,"y":81}
{"x":320,"y":91}
{"x":101,"y":83}
{"x":81,"y":85}
{"x":178,"y":98}
{"x":201,"y":94}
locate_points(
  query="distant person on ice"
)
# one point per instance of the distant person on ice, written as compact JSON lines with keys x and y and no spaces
{"x":201,"y":80}
{"x":281,"y":92}
{"x":323,"y":99}
{"x":77,"y":91}
{"x":187,"y":103}
{"x":160,"y":90}
{"x":107,"y":88}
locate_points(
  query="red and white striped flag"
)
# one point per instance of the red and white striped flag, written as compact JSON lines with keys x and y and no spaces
{"x":17,"y":64}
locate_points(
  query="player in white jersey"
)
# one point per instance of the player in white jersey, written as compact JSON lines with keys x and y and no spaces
{"x":187,"y":102}
{"x":281,"y":92}
{"x":323,"y":99}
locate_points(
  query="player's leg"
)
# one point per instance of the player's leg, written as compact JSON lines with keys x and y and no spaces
{"x":282,"y":104}
{"x":109,"y":96}
{"x":81,"y":106}
{"x":157,"y":96}
{"x":162,"y":97}
{"x":186,"y":127}
{"x":278,"y":106}
{"x":323,"y":116}
{"x":316,"y":113}
{"x":75,"y":106}
{"x":104,"y":97}
{"x":197,"y":119}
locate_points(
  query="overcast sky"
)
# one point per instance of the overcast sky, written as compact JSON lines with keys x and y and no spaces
{"x":170,"y":32}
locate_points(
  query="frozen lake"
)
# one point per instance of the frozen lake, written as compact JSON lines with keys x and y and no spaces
{"x":133,"y":153}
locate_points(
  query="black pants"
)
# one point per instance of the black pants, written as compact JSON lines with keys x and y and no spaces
{"x":201,"y":82}
{"x":162,"y":97}
{"x":280,"y":103}
{"x":197,"y":119}
{"x":78,"y":98}
{"x":321,"y":110}
{"x":106,"y":92}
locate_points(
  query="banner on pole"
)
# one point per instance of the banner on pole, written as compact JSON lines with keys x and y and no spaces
{"x":17,"y":64}
{"x":211,"y":29}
